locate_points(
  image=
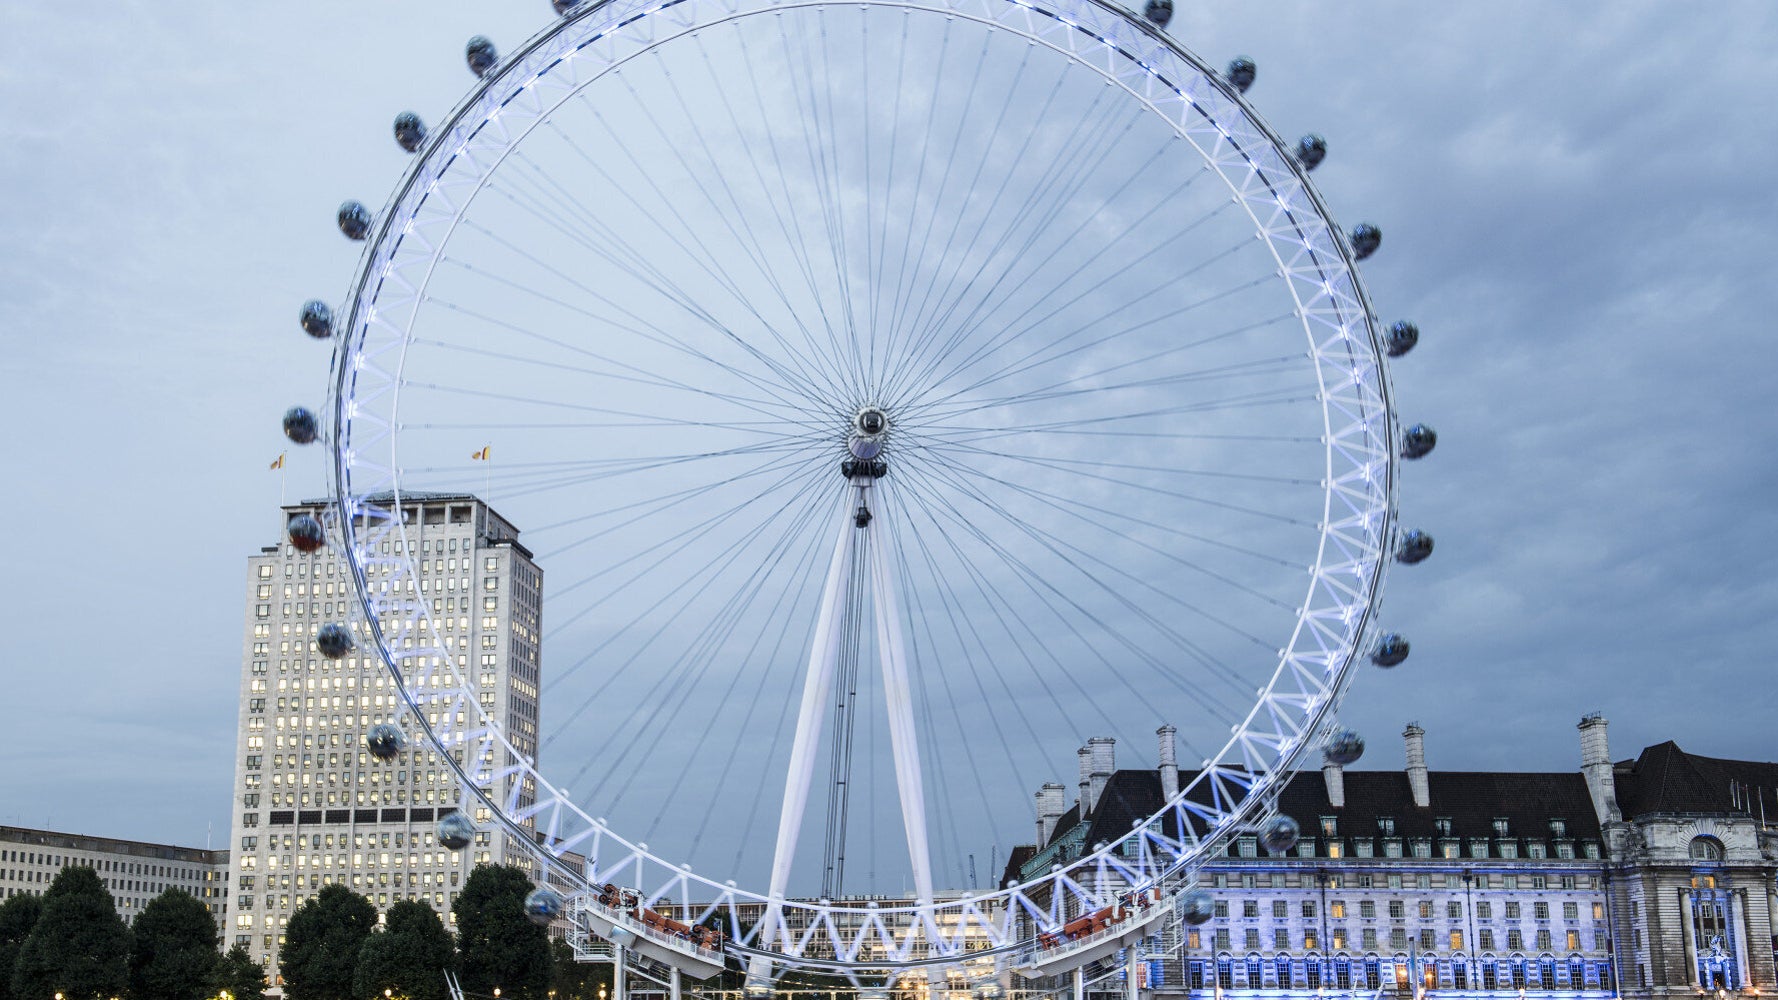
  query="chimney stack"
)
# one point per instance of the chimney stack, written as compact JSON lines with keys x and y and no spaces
{"x":1104,"y":759}
{"x":1335,"y":775}
{"x":1169,"y":762}
{"x":1052,"y":801}
{"x":1415,"y":737}
{"x":1086,"y":781}
{"x":1595,"y":765}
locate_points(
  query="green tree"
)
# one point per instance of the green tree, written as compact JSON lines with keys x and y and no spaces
{"x":238,"y":975}
{"x":571,"y":980}
{"x":409,"y":957}
{"x":79,"y":946}
{"x":496,"y":944}
{"x":321,"y":945}
{"x":172,"y":949}
{"x":17,"y":916}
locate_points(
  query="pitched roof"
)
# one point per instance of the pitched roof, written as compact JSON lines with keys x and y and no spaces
{"x":1666,"y":779}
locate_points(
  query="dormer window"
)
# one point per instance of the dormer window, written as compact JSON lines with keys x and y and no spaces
{"x":1501,"y":828}
{"x":1442,"y":825}
{"x":1386,"y":825}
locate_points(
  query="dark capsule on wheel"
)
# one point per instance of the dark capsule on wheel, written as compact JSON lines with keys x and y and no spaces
{"x":300,"y":425}
{"x":1279,"y":834}
{"x":1414,"y":547}
{"x":1343,"y":747}
{"x":1241,"y":73}
{"x":410,"y":131}
{"x":1159,"y":12}
{"x":481,"y":55}
{"x":543,"y":905}
{"x":354,"y":220}
{"x":384,"y":741}
{"x":455,"y":831}
{"x":1196,"y":907}
{"x":1311,"y":149}
{"x":1391,"y":649}
{"x":1401,"y":338}
{"x":334,"y":640}
{"x":317,"y":319}
{"x":1365,"y":239}
{"x":564,"y":6}
{"x":305,"y":533}
{"x":1418,"y":441}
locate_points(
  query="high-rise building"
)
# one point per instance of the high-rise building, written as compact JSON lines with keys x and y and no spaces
{"x":132,"y":870}
{"x":312,"y":806}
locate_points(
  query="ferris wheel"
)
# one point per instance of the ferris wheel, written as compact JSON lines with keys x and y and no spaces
{"x":895,"y":396}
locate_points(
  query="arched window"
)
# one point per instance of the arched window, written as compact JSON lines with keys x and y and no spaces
{"x":1706,"y":849}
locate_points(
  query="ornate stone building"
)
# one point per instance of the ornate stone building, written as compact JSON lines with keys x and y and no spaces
{"x":1645,"y":878}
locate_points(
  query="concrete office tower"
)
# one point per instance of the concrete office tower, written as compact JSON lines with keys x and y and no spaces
{"x":312,"y":807}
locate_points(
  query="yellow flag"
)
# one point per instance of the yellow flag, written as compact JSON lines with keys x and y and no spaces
{"x":279,"y":464}
{"x":483,"y":454}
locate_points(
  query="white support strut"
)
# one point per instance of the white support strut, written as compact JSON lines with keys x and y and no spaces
{"x":898,"y":697}
{"x":817,"y":690}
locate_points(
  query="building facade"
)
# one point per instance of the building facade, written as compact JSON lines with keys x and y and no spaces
{"x":312,"y":807}
{"x":1645,"y":878}
{"x":134,"y":872}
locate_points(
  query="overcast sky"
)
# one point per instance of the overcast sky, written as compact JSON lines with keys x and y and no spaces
{"x":1576,"y":201}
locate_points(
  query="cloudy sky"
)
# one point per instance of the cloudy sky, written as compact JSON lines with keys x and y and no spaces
{"x":1572,"y":197}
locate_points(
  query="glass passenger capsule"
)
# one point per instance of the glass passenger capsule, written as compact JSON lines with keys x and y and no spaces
{"x":1241,"y":73}
{"x":1311,"y":149}
{"x":334,"y":640}
{"x":455,"y":831}
{"x":481,"y":55}
{"x":1401,"y":338}
{"x":317,"y":319}
{"x":410,"y":131}
{"x":1418,"y":441}
{"x":354,"y":220}
{"x":1159,"y":12}
{"x":1390,"y":650}
{"x":300,"y":425}
{"x":1343,"y":747}
{"x":1196,"y":907}
{"x":1413,"y":547}
{"x":543,"y":905}
{"x":305,"y":533}
{"x":1365,"y":240}
{"x":1279,"y":834}
{"x":385,"y":742}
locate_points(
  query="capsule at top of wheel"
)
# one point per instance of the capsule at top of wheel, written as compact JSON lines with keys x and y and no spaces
{"x":1414,"y":547}
{"x":334,"y":640}
{"x":1159,"y":12}
{"x":455,"y":831}
{"x":1279,"y":834}
{"x":317,"y":319}
{"x":1241,"y":73}
{"x":1196,"y":906}
{"x":1401,"y":338}
{"x":543,"y":905}
{"x":564,"y":6}
{"x":410,"y":131}
{"x":306,"y":533}
{"x":1343,"y":746}
{"x":384,"y":741}
{"x":300,"y":425}
{"x":1418,"y":441}
{"x":481,"y":55}
{"x":1365,"y":240}
{"x":1311,"y":149}
{"x":354,"y":220}
{"x":1390,"y":650}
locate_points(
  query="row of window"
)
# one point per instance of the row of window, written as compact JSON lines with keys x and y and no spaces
{"x":1450,"y":881}
{"x":1397,"y":909}
{"x":1427,"y":939}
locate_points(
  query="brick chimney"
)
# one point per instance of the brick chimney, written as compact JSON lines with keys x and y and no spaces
{"x":1595,"y":764}
{"x":1104,"y":760}
{"x":1335,"y":776}
{"x":1052,"y":802}
{"x":1169,"y":762}
{"x":1415,"y":738}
